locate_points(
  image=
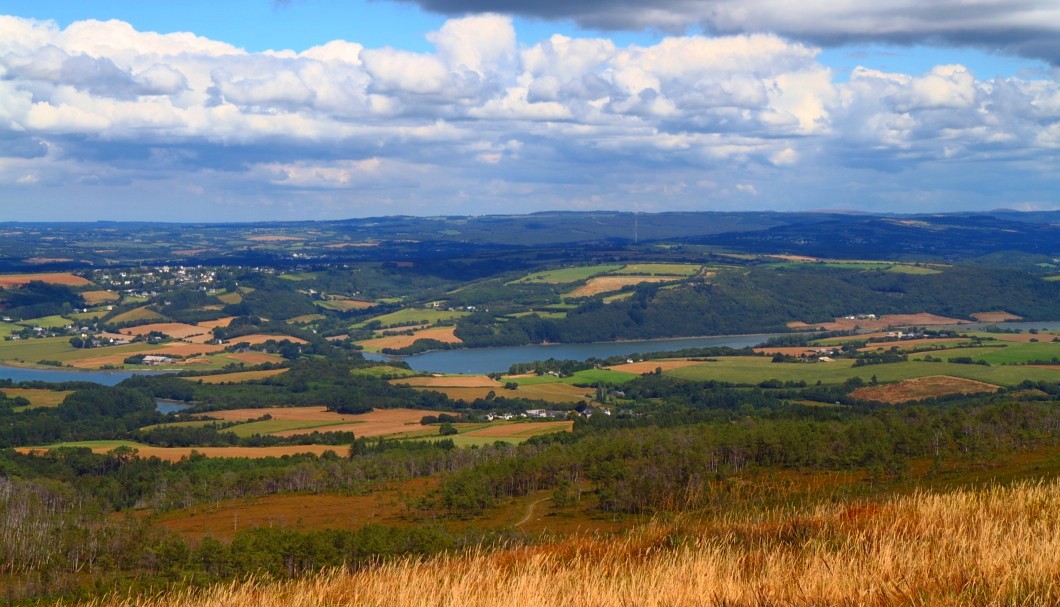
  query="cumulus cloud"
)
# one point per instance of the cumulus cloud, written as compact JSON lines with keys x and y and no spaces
{"x":687,"y":121}
{"x":1030,"y":27}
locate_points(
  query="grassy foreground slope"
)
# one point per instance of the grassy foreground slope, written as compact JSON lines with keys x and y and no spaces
{"x":992,"y":546}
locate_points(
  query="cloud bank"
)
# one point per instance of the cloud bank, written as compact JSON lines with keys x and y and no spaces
{"x":99,"y":120}
{"x":1030,"y":28}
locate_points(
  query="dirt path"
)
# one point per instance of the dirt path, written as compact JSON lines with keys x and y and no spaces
{"x":529,"y":512}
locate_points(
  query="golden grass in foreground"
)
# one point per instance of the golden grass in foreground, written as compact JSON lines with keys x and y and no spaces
{"x":994,"y":546}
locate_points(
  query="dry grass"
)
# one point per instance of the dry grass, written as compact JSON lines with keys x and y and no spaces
{"x":442,"y":334}
{"x":996,"y":546}
{"x":8,"y":281}
{"x":607,"y":284}
{"x":995,"y":316}
{"x":921,"y":388}
{"x":236,"y":377}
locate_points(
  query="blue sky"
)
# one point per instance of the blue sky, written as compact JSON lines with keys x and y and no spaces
{"x":313,"y":109}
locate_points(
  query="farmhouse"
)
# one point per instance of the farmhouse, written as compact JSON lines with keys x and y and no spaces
{"x":157,"y":360}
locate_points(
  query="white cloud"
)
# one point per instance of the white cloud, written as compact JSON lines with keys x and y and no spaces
{"x":560,"y":118}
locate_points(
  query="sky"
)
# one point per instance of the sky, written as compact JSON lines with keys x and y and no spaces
{"x":249,"y":110}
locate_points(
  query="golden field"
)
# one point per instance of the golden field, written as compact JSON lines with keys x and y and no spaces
{"x":993,"y":546}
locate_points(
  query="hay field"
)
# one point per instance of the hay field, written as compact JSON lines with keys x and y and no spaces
{"x":143,"y":314}
{"x":260,"y":338}
{"x":922,"y":319}
{"x":380,"y":422}
{"x":649,"y":366}
{"x":254,"y":358}
{"x":995,"y":316}
{"x":522,"y":429}
{"x":185,"y":349}
{"x":909,"y":344}
{"x":345,"y":305}
{"x":173,"y":454}
{"x":240,"y":376}
{"x":36,"y":397}
{"x":95,"y":298}
{"x":176,"y":330}
{"x":8,"y":281}
{"x":220,"y":322}
{"x":970,"y":548}
{"x":607,"y":284}
{"x":273,"y":238}
{"x":442,"y":334}
{"x":556,"y":392}
{"x":566,"y":275}
{"x":450,"y":381}
{"x":922,"y":387}
{"x":660,"y":269}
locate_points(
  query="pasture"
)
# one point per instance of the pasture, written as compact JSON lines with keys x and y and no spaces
{"x":752,"y":370}
{"x":48,"y":322}
{"x":345,"y":305}
{"x":568,"y":275}
{"x":659,"y":269}
{"x":137,"y":315}
{"x":408,"y":316}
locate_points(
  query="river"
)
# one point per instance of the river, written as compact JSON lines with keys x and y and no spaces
{"x":495,"y":360}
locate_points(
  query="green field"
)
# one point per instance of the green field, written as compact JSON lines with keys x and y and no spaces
{"x":230,"y":298}
{"x":1053,"y":278}
{"x":581,"y":378}
{"x":1008,"y":354}
{"x":32,"y":350}
{"x":411,"y":315}
{"x":920,"y":270}
{"x":271,"y":426}
{"x":48,"y":322}
{"x":755,"y":369}
{"x":300,"y":276}
{"x":8,"y":328}
{"x":567,"y":275}
{"x":384,"y":371}
{"x":658,"y":269}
